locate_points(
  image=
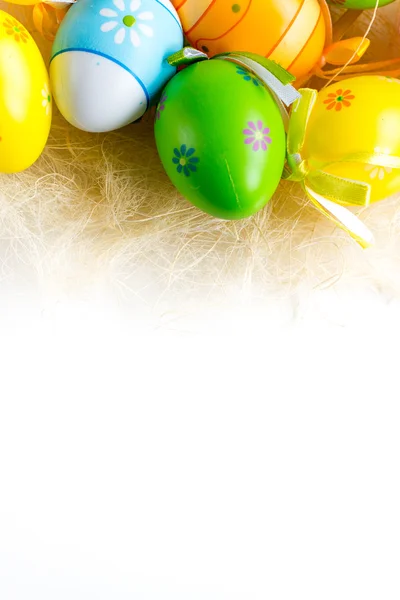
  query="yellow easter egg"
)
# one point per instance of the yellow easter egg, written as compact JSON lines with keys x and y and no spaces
{"x":25,"y":101}
{"x":352,"y":121}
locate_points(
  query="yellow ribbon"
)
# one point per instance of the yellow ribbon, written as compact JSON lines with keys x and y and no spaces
{"x":329,"y":192}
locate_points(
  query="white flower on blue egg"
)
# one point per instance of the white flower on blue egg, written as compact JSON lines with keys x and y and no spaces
{"x":125,"y":20}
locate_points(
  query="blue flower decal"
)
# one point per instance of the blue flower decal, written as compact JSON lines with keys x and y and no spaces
{"x":185,"y":160}
{"x":247,"y":76}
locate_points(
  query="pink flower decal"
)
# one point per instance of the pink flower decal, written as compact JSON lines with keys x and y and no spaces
{"x":257,"y":135}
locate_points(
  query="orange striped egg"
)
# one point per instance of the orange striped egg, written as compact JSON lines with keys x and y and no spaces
{"x":291,"y":32}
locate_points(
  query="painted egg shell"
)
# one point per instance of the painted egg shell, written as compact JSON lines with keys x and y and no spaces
{"x":25,"y":102}
{"x":22,"y":2}
{"x":291,"y":32}
{"x":358,"y":116}
{"x":359,"y":4}
{"x":221,"y":138}
{"x":109,"y":60}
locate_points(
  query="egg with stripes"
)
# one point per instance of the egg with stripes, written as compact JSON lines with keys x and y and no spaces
{"x":25,"y":99}
{"x":291,"y":32}
{"x":109,"y":60}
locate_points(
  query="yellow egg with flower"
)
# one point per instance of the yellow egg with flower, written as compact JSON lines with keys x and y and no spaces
{"x":354,"y":132}
{"x":25,"y":100}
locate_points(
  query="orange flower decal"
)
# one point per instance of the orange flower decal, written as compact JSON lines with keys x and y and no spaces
{"x":15,"y":29}
{"x":339,"y":100}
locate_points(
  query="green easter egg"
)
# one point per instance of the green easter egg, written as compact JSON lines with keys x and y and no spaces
{"x":221,"y":138}
{"x":359,"y":4}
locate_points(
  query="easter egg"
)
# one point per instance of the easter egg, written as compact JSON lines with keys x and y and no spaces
{"x":359,"y":4}
{"x":221,"y":138}
{"x":25,"y":101}
{"x":290,"y":32}
{"x":109,"y":60}
{"x":351,"y":121}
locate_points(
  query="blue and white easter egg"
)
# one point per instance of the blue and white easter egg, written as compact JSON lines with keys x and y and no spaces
{"x":109,"y":60}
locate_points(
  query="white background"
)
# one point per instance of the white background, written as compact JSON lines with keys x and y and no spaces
{"x":241,"y":450}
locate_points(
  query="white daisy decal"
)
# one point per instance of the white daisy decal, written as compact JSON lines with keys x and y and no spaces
{"x":46,"y":98}
{"x":390,"y":79}
{"x":377,"y":172}
{"x":127,"y":22}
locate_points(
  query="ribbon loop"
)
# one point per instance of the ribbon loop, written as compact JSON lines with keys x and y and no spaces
{"x":186,"y":56}
{"x":275,"y":77}
{"x":339,"y":190}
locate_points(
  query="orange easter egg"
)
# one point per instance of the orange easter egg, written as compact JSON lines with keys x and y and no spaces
{"x":291,"y":32}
